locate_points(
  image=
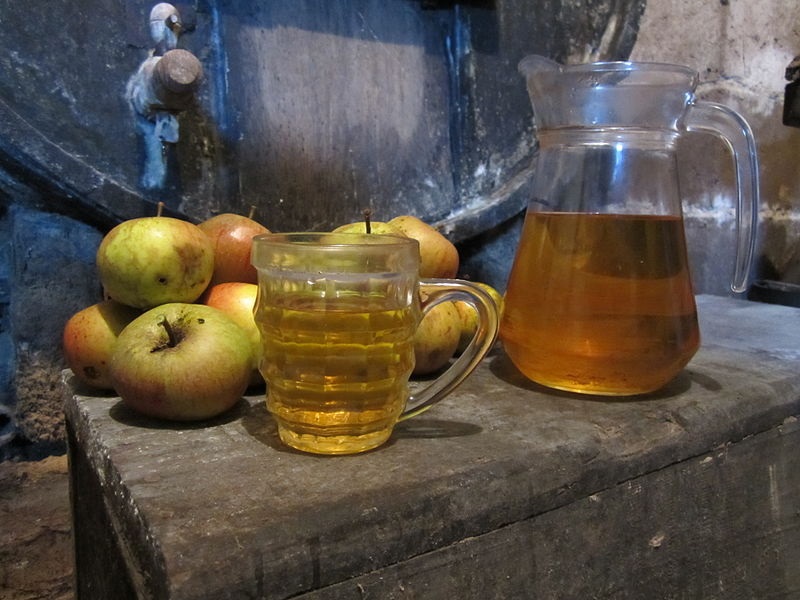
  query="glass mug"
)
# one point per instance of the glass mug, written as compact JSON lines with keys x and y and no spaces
{"x":337,"y":315}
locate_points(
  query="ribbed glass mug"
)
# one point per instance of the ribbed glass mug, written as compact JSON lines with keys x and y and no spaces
{"x":337,"y":315}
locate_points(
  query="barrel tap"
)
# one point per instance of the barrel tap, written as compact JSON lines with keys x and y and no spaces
{"x":162,"y":87}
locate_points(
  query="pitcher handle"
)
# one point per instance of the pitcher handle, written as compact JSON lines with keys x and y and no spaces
{"x":444,"y":290}
{"x":735,"y":131}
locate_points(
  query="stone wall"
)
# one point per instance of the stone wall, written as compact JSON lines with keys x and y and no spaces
{"x":48,"y":274}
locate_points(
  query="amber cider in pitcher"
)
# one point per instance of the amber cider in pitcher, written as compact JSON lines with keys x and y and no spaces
{"x":600,"y":303}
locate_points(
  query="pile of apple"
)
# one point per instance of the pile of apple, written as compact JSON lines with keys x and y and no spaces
{"x":175,"y":337}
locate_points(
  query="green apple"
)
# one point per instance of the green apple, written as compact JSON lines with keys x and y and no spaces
{"x":232,"y":238}
{"x":436,"y":338}
{"x":149,"y":261}
{"x":181,"y":362}
{"x":237,"y":300}
{"x":89,"y":337}
{"x":438,"y":256}
{"x":376,"y":227}
{"x":469,"y":316}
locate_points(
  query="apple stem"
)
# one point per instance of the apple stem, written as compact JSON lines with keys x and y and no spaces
{"x":170,"y":331}
{"x":367,"y":217}
{"x":159,"y":209}
{"x":252,"y":211}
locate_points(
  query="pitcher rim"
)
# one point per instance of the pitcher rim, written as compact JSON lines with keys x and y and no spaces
{"x":626,"y":65}
{"x":611,"y":66}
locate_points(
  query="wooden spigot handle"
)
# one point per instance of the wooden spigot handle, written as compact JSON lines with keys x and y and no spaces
{"x":176,"y":77}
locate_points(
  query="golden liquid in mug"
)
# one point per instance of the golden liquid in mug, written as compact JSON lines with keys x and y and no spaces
{"x":600,"y":304}
{"x":337,"y":370}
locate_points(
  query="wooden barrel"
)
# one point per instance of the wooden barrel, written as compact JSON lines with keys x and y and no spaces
{"x":311,"y":110}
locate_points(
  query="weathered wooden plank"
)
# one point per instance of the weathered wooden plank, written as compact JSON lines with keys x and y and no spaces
{"x":222,"y":510}
{"x":93,"y":535}
{"x":722,"y":526}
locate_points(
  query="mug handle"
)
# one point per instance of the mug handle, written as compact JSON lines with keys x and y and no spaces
{"x":448,"y":290}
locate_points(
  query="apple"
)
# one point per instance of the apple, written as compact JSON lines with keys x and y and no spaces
{"x":469,"y":316}
{"x":367,"y":225}
{"x":149,"y":261}
{"x":376,"y":227}
{"x":232,"y":238}
{"x":89,"y":337}
{"x":438,"y":256}
{"x":181,"y":362}
{"x":237,"y":300}
{"x":436,"y":338}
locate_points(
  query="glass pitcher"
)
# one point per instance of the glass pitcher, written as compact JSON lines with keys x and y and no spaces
{"x":600,"y":298}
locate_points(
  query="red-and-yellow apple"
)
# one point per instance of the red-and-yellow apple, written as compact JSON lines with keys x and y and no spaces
{"x":469,"y":316}
{"x":438,"y":256}
{"x":150,"y":261}
{"x":436,"y":338}
{"x":237,"y":300}
{"x":89,"y":337}
{"x":232,"y":238}
{"x":181,"y":362}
